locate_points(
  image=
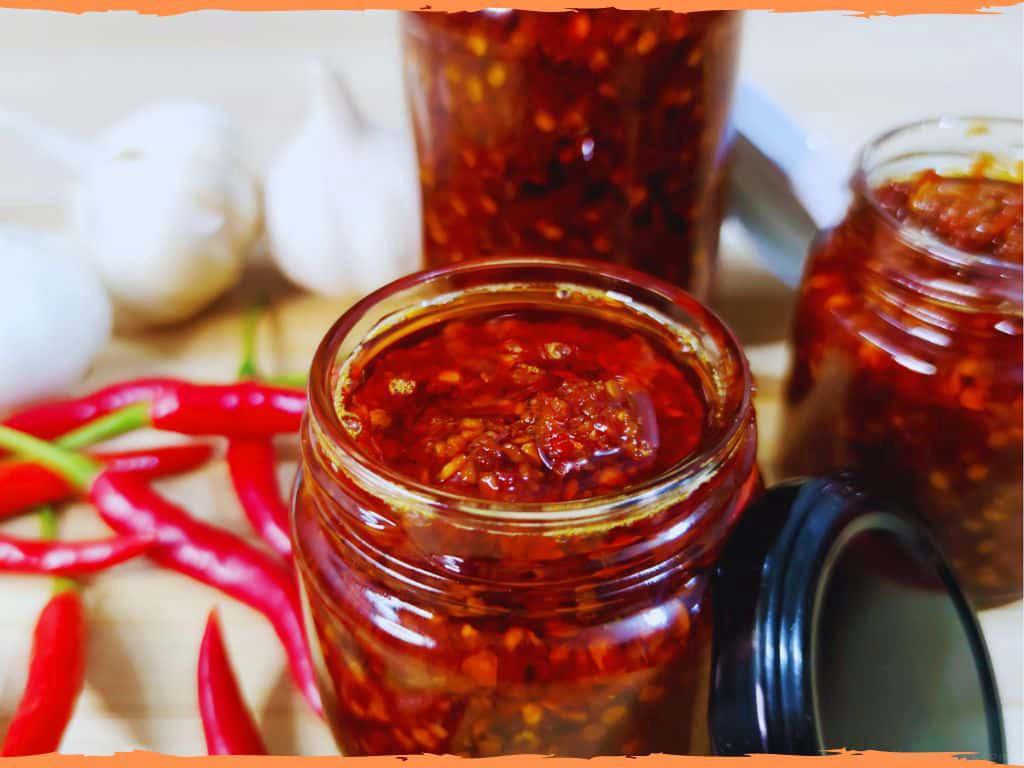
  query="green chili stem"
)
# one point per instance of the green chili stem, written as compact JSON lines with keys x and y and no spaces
{"x":47,"y":522}
{"x":119,"y":422}
{"x":297,"y":380}
{"x":75,"y":468}
{"x":248,"y":367}
{"x":48,"y":532}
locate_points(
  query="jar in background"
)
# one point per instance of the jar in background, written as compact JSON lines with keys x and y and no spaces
{"x":588,"y":134}
{"x":908,"y":341}
{"x":479,"y":625}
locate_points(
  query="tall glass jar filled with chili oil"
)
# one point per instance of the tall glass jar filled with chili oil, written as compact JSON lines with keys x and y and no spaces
{"x":589,"y":134}
{"x":516,"y":477}
{"x":908,"y":341}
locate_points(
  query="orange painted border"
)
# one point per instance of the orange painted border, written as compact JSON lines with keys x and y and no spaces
{"x":859,"y":7}
{"x":850,"y":759}
{"x":141,"y":759}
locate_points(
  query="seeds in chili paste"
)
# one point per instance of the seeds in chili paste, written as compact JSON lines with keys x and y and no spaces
{"x":526,"y":406}
{"x":972,"y":213}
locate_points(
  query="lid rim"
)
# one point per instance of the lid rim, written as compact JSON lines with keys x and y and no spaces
{"x":764,"y":696}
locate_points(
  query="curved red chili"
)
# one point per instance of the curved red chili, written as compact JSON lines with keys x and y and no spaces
{"x":56,"y":674}
{"x":24,"y":484}
{"x":227,"y":724}
{"x":199,"y":550}
{"x":212,"y":556}
{"x":69,"y":558}
{"x":48,"y":420}
{"x":253,"y":473}
{"x":246,"y":409}
{"x":152,"y":463}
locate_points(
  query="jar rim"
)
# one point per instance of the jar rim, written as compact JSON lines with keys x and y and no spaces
{"x":413,"y":25}
{"x":689,"y":473}
{"x":958,"y":128}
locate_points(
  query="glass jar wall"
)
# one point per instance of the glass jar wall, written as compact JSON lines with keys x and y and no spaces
{"x":541,"y":583}
{"x":591,"y":134}
{"x":908,"y":341}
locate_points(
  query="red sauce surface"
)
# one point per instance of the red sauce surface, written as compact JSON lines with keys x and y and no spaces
{"x":921,"y":395}
{"x":972,"y":213}
{"x":527,"y":406}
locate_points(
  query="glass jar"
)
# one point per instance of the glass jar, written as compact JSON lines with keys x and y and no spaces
{"x":450,"y":624}
{"x":588,"y":134}
{"x":907,"y":342}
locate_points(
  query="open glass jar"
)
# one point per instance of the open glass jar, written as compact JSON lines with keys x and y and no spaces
{"x":908,"y":341}
{"x":589,"y":134}
{"x":575,"y":625}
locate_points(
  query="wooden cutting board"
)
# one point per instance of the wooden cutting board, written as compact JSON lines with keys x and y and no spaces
{"x":145,"y":624}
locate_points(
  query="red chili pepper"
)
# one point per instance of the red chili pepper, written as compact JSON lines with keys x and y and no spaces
{"x":254,"y":475}
{"x":253,"y":465}
{"x":25,"y":484}
{"x":69,"y":558}
{"x":246,"y":409}
{"x":212,"y":556}
{"x":48,"y":420}
{"x":227,"y":724}
{"x":152,"y":463}
{"x":55,"y":678}
{"x":199,"y":550}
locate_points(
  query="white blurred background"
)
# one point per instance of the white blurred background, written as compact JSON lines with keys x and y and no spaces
{"x":843,"y":77}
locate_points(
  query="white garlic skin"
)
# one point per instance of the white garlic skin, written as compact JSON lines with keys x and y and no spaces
{"x":55,"y":316}
{"x":167,"y":211}
{"x":342,"y":198}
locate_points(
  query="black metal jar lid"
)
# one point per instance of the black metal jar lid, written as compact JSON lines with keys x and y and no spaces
{"x":838,"y":623}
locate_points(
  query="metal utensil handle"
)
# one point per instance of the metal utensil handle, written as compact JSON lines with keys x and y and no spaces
{"x":786,"y":185}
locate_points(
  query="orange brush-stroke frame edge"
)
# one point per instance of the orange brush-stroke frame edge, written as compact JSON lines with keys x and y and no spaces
{"x":170,"y":7}
{"x":152,"y":760}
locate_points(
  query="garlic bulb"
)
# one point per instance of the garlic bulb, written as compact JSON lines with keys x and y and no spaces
{"x":166,"y":211}
{"x":55,"y":316}
{"x":164,"y":206}
{"x":342,"y":198}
